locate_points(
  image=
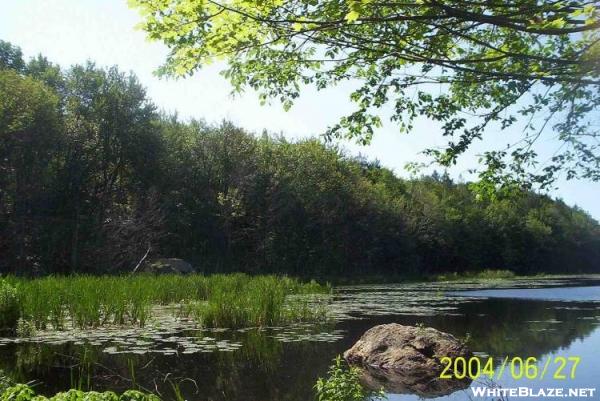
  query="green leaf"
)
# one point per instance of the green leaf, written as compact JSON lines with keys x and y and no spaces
{"x":352,"y":16}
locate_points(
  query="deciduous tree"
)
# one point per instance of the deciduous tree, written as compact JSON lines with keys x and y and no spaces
{"x":530,"y":66}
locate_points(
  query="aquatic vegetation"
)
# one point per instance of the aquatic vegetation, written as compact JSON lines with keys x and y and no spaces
{"x":25,"y":328}
{"x":9,"y":306}
{"x":235,"y":300}
{"x":297,"y":334}
{"x":487,"y":274}
{"x":226,"y":363}
{"x":343,"y":384}
{"x":23,"y":392}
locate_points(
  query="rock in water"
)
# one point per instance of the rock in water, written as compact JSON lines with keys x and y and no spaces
{"x":169,"y":266}
{"x":407,"y":359}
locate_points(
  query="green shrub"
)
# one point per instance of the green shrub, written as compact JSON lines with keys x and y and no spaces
{"x":23,"y":392}
{"x":9,"y":306}
{"x":20,"y":392}
{"x":343,"y":384}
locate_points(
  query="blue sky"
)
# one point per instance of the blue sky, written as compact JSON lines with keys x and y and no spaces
{"x":73,"y":31}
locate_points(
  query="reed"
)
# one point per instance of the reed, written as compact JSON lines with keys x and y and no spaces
{"x":9,"y":306}
{"x":234,"y":300}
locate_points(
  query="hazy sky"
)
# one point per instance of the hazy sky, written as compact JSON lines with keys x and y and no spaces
{"x":73,"y":31}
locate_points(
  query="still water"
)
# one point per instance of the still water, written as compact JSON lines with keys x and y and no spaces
{"x":524,"y":318}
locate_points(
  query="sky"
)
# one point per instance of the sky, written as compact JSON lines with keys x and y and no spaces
{"x":104,"y":31}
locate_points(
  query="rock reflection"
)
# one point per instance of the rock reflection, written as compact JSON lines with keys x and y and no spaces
{"x":394,"y":383}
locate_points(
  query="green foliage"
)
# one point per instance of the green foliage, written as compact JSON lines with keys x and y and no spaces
{"x":343,"y":384}
{"x":11,"y":57}
{"x":105,"y":180}
{"x":25,"y":328}
{"x":239,"y":301}
{"x":234,"y":300}
{"x":481,"y":275}
{"x":9,"y":306}
{"x":20,"y":392}
{"x":528,"y":66}
{"x":23,"y":392}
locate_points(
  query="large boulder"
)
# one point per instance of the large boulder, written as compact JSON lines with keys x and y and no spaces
{"x":168,"y":266}
{"x":407,"y":359}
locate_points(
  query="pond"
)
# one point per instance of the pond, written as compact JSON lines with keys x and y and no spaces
{"x":522,"y":317}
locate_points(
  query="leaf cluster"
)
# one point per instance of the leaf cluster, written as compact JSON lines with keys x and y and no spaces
{"x":526,"y":66}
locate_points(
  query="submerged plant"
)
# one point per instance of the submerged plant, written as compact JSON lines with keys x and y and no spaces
{"x":343,"y":384}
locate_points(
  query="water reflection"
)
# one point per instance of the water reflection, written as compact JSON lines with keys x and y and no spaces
{"x":394,"y":383}
{"x":283,"y":364}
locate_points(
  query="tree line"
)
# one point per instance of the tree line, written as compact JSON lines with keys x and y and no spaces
{"x":93,"y":177}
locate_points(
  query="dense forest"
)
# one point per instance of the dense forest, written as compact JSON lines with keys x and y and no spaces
{"x":93,"y":177}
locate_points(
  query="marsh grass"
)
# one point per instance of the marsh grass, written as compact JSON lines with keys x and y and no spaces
{"x":481,"y":275}
{"x":9,"y":306}
{"x":234,"y":300}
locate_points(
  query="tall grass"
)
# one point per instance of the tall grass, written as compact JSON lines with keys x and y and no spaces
{"x":487,"y":274}
{"x":9,"y":306}
{"x":235,"y":300}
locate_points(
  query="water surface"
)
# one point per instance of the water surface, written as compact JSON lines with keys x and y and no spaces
{"x":526,"y":318}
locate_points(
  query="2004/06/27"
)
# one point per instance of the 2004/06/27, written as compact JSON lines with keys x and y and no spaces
{"x":559,"y":367}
